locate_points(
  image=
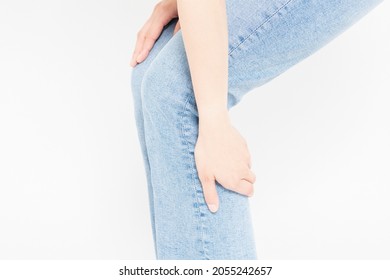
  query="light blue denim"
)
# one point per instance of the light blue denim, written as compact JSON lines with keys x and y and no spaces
{"x":266,"y":37}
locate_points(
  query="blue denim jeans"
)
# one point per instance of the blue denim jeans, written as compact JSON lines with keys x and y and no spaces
{"x":266,"y":37}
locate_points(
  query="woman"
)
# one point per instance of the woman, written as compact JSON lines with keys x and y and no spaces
{"x":187,"y":75}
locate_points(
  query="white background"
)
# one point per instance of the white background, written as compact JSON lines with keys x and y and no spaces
{"x":72,"y":181}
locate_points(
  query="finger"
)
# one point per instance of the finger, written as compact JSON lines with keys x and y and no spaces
{"x":210,"y":193}
{"x":177,"y":27}
{"x":245,"y":188}
{"x":151,"y":37}
{"x":140,"y":42}
{"x":141,"y":56}
{"x":137,"y":50}
{"x":250,"y":176}
{"x":146,"y":47}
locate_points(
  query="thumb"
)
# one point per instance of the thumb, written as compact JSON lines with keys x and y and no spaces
{"x":177,"y":27}
{"x":210,"y":193}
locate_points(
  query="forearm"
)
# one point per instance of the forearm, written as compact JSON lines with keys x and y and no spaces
{"x":205,"y":35}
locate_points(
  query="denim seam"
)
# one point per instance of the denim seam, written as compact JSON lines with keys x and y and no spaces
{"x":193,"y":173}
{"x":264,"y":22}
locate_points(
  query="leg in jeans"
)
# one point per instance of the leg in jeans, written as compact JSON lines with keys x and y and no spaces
{"x":266,"y":37}
{"x":136,"y":80}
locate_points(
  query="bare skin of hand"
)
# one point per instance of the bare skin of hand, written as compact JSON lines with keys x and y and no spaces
{"x":222,"y":155}
{"x":162,"y":14}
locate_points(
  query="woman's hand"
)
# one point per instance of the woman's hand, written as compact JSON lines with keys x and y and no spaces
{"x":163,"y":13}
{"x":222,"y":154}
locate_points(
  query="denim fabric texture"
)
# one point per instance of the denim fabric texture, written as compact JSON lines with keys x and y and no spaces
{"x":266,"y":37}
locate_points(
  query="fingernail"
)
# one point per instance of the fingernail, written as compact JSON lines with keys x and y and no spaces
{"x":213,"y":208}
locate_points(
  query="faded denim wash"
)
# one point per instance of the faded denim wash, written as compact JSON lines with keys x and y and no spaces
{"x":266,"y":37}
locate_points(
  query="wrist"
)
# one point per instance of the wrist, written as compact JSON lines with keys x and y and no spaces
{"x":217,"y":111}
{"x":211,"y":117}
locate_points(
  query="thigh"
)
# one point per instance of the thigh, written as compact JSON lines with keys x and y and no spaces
{"x":268,"y":37}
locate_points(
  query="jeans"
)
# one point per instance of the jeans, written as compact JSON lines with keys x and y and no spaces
{"x":266,"y":37}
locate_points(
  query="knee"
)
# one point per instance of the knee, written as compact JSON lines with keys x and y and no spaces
{"x":166,"y":85}
{"x":137,"y":75}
